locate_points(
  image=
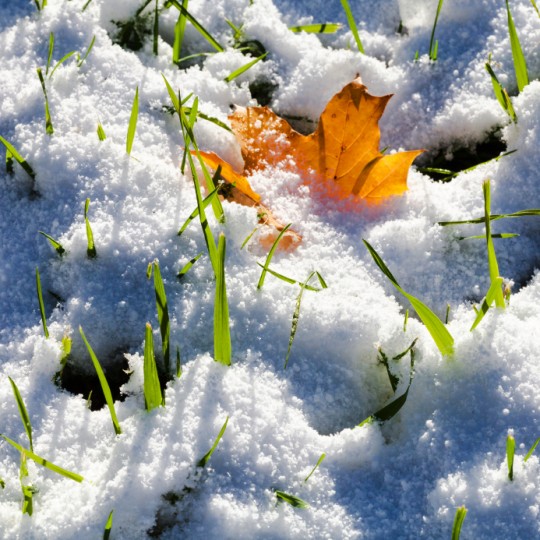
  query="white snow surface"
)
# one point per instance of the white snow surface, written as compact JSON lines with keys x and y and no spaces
{"x":402,"y":479}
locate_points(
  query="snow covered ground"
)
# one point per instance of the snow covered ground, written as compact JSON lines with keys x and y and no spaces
{"x":402,"y":479}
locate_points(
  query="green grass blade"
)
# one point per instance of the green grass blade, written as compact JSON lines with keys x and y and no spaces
{"x":48,"y":122}
{"x":492,"y":217}
{"x":483,"y":236}
{"x":352,"y":25}
{"x":501,"y":94}
{"x":443,"y":339}
{"x":533,"y":3}
{"x":60,"y":62}
{"x":108,"y":526}
{"x":25,"y":418}
{"x":532,"y":449}
{"x":156,"y":30}
{"x":187,"y":267}
{"x":461,"y":512}
{"x":101,"y":132}
{"x":54,"y":243}
{"x":434,"y":46}
{"x":178,"y":363}
{"x":91,"y":248}
{"x":294,"y":501}
{"x":80,"y":62}
{"x":132,"y":122}
{"x":215,"y":121}
{"x":179,"y":31}
{"x":41,"y":461}
{"x":204,"y":460}
{"x":271,"y":254}
{"x":321,"y":28}
{"x":493,"y":291}
{"x":86,"y":5}
{"x":50,"y":53}
{"x":103,"y":383}
{"x":20,"y":160}
{"x":222,"y":331}
{"x":321,"y":459}
{"x":163,"y":314}
{"x":510,"y":452}
{"x":292,"y":281}
{"x":41,"y":305}
{"x":244,"y":68}
{"x":9,"y":162}
{"x":152,"y":389}
{"x":520,"y":66}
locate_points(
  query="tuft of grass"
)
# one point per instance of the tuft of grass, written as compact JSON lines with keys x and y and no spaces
{"x":152,"y":390}
{"x":294,"y":501}
{"x":270,"y":255}
{"x":54,"y":243}
{"x":461,"y":512}
{"x":510,"y":451}
{"x":104,"y":384}
{"x":162,"y":312}
{"x":101,"y":132}
{"x":222,"y":331}
{"x":187,"y":267}
{"x":352,"y":25}
{"x":433,"y":43}
{"x":520,"y":66}
{"x":48,"y":122}
{"x":319,"y":461}
{"x":316,"y":28}
{"x":25,"y":418}
{"x":91,"y":248}
{"x":204,"y":460}
{"x":442,"y":337}
{"x":108,"y":526}
{"x":531,"y":450}
{"x":41,"y":305}
{"x":501,"y":94}
{"x":132,"y":122}
{"x":244,"y":68}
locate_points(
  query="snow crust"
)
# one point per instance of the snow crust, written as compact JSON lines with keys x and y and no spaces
{"x":403,"y":479}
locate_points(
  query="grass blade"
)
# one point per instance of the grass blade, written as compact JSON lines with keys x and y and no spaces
{"x":54,"y":243}
{"x":101,"y":132}
{"x":20,"y":160}
{"x":461,"y":512}
{"x":50,"y":53}
{"x":204,"y":460}
{"x":91,"y":248}
{"x":104,"y":384}
{"x":41,"y":305}
{"x":244,"y":68}
{"x":271,"y":254}
{"x":520,"y":66}
{"x":187,"y":267}
{"x":492,"y":217}
{"x":292,"y":281}
{"x":132,"y":122}
{"x":162,"y":313}
{"x":222,"y":331}
{"x":533,"y":2}
{"x":48,"y":122}
{"x":60,"y":62}
{"x":532,"y":449}
{"x":156,"y":30}
{"x":443,"y":339}
{"x":23,"y":412}
{"x":108,"y":526}
{"x":41,"y":461}
{"x":352,"y":25}
{"x":152,"y":389}
{"x":510,"y":452}
{"x":178,"y":363}
{"x":80,"y":61}
{"x":434,"y":46}
{"x":501,"y":94}
{"x":493,"y":291}
{"x":179,"y":31}
{"x":291,"y":499}
{"x":321,"y":28}
{"x":321,"y":459}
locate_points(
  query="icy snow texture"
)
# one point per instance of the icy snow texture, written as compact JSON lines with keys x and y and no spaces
{"x":402,"y":480}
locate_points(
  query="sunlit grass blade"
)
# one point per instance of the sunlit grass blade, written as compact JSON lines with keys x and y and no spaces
{"x":103,"y":383}
{"x":206,"y":201}
{"x":222,"y":331}
{"x":492,"y":217}
{"x":442,"y":337}
{"x":215,"y":121}
{"x":352,"y":24}
{"x":187,"y":267}
{"x":91,"y":248}
{"x":271,"y":254}
{"x":294,"y":501}
{"x":321,"y":28}
{"x":244,"y":68}
{"x":132,"y":127}
{"x":292,"y":281}
{"x":48,"y":122}
{"x":405,"y":320}
{"x":520,"y":66}
{"x":434,"y":45}
{"x":80,"y":61}
{"x":204,"y":460}
{"x":533,"y":3}
{"x":41,"y":305}
{"x":61,"y":61}
{"x":54,"y":243}
{"x":320,"y":460}
{"x":101,"y":132}
{"x":510,"y":452}
{"x":461,"y":512}
{"x":50,"y":53}
{"x":493,"y":291}
{"x":41,"y":461}
{"x":23,"y":412}
{"x":179,"y":31}
{"x":531,"y":450}
{"x":152,"y":389}
{"x":501,"y":94}
{"x":108,"y":526}
{"x":483,"y":236}
{"x":20,"y":160}
{"x":162,"y":313}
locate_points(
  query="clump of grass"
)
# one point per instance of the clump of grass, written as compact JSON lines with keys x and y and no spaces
{"x":442,"y":337}
{"x":434,"y":43}
{"x":48,"y":122}
{"x":352,"y":24}
{"x":91,"y":248}
{"x":319,"y":461}
{"x":104,"y":384}
{"x":294,"y":501}
{"x":132,"y":127}
{"x":204,"y":460}
{"x":461,"y":512}
{"x":54,"y":243}
{"x":520,"y":66}
{"x":510,"y":451}
{"x":152,"y":389}
{"x":41,"y":304}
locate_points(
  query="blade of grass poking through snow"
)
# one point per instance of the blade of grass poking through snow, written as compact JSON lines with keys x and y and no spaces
{"x":132,"y":122}
{"x":23,"y":412}
{"x":50,"y":53}
{"x":442,"y":337}
{"x":292,"y":281}
{"x":91,"y":248}
{"x":162,"y":313}
{"x":20,"y":160}
{"x":206,"y":201}
{"x":41,"y":461}
{"x":152,"y":389}
{"x":222,"y":330}
{"x":80,"y":61}
{"x":461,"y":512}
{"x":493,"y":291}
{"x":434,"y":45}
{"x":244,"y":68}
{"x":108,"y":526}
{"x":322,"y":28}
{"x":48,"y":122}
{"x":510,"y":452}
{"x":501,"y":94}
{"x":60,"y":62}
{"x":321,"y":459}
{"x":520,"y":66}
{"x":352,"y":24}
{"x":179,"y":31}
{"x":204,"y":460}
{"x":492,"y":258}
{"x":41,"y":305}
{"x":291,"y":499}
{"x":187,"y":267}
{"x":103,"y":383}
{"x":156,"y":30}
{"x":101,"y":132}
{"x":532,"y":449}
{"x":54,"y":243}
{"x":271,"y":254}
{"x":405,"y":320}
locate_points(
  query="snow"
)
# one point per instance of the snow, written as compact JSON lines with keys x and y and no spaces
{"x":402,"y":479}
